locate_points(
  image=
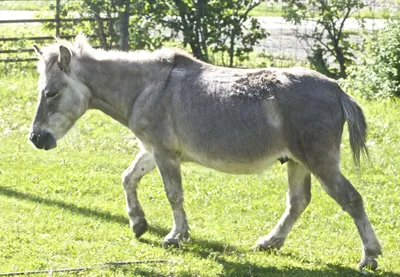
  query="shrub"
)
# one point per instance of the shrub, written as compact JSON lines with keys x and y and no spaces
{"x":378,"y":73}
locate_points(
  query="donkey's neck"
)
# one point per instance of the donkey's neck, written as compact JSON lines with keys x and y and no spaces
{"x":98,"y":103}
{"x":115,"y":84}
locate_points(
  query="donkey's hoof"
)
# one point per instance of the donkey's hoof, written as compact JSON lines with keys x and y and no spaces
{"x":175,"y":240}
{"x":260,"y":247}
{"x":140,"y":227}
{"x":167,"y":243}
{"x":268,"y":244}
{"x":368,"y":264}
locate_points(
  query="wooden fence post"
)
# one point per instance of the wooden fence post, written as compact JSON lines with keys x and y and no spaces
{"x":58,"y":21}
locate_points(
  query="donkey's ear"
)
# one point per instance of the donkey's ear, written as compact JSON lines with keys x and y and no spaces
{"x":37,"y":50}
{"x":64,"y":59}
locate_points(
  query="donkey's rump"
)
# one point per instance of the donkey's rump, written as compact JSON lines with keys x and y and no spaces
{"x":313,"y":115}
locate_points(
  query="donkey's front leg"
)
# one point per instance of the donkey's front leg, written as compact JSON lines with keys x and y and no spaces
{"x":142,"y":164}
{"x":169,"y":166}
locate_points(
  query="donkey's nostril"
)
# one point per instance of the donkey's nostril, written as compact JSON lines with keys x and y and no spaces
{"x":43,"y":140}
{"x":34,"y":138}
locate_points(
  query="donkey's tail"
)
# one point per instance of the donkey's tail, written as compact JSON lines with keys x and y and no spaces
{"x":357,"y":126}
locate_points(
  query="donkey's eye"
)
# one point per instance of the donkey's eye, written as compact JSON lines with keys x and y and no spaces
{"x":51,"y":94}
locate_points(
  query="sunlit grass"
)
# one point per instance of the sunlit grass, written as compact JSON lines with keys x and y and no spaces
{"x":267,"y":8}
{"x":66,"y":207}
{"x":28,"y":5}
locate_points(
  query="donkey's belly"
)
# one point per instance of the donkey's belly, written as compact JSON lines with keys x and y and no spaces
{"x":241,"y":135}
{"x":234,"y":147}
{"x":236,"y":166}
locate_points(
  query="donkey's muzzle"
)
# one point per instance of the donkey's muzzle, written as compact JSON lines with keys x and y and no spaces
{"x":43,"y":140}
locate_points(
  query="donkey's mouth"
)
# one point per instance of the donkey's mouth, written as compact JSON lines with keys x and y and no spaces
{"x":50,"y":143}
{"x":43,"y":140}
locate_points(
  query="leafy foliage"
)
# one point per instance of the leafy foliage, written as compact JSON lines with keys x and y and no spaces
{"x":108,"y":25}
{"x":378,"y":73}
{"x":237,"y":33}
{"x":330,"y":48}
{"x":223,"y":26}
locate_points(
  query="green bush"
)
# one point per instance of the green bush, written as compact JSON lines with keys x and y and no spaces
{"x":378,"y":73}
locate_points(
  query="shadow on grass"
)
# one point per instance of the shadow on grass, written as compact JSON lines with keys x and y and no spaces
{"x":206,"y":250}
{"x":216,"y":250}
{"x":199,"y":247}
{"x":103,"y":215}
{"x":73,"y":208}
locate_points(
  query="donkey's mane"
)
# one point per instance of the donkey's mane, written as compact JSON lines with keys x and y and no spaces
{"x":81,"y":48}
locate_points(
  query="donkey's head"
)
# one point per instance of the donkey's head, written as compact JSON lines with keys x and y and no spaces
{"x":62,"y":97}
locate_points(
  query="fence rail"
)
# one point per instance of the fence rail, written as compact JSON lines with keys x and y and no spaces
{"x":32,"y":38}
{"x":57,"y":19}
{"x":19,"y":60}
{"x":24,"y":50}
{"x":47,"y":20}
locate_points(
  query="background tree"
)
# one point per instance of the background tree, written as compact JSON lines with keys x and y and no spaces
{"x":124,"y":24}
{"x":223,"y":27}
{"x":191,"y":19}
{"x":219,"y":26}
{"x":330,"y":48}
{"x":237,"y":32}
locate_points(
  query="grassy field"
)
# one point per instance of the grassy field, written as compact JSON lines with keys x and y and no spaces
{"x":65,"y":208}
{"x":28,"y":5}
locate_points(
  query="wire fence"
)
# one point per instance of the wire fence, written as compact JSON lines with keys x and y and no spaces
{"x":284,"y":44}
{"x":22,"y":21}
{"x":23,"y":24}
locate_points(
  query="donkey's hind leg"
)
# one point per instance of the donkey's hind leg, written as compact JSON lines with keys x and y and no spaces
{"x":142,"y":164}
{"x":342,"y":191}
{"x":298,"y":198}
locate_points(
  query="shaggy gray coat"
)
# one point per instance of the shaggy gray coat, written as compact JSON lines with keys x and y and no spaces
{"x":233,"y":120}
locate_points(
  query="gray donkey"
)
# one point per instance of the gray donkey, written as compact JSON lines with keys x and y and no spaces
{"x":237,"y":121}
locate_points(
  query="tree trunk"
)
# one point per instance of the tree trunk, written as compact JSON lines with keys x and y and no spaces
{"x":124,"y":27}
{"x":231,"y":49}
{"x":202,"y":27}
{"x":342,"y":66}
{"x":196,"y":50}
{"x":192,"y":26}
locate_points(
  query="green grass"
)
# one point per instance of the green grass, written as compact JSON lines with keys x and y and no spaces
{"x":20,"y":31}
{"x":368,"y":13}
{"x":28,"y":5}
{"x":66,"y":207}
{"x":267,"y":8}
